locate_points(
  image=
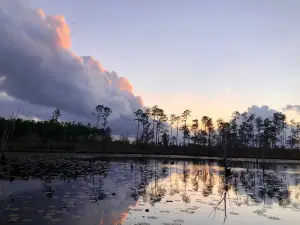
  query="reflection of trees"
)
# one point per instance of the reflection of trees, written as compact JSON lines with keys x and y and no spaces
{"x":176,"y":188}
{"x":157,"y":190}
{"x":171,"y":190}
{"x":152,"y":179}
{"x":47,"y":187}
{"x":144,"y":182}
{"x":261,"y":185}
{"x":185,"y":178}
{"x":208,"y":186}
{"x":141,"y":175}
{"x":195,"y":180}
{"x":98,"y":193}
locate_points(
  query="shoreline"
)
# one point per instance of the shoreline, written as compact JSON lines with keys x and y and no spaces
{"x":94,"y":155}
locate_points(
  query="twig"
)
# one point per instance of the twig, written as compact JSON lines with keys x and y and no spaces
{"x":215,"y":207}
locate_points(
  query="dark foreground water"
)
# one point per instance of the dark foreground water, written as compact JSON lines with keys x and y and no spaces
{"x":58,"y":190}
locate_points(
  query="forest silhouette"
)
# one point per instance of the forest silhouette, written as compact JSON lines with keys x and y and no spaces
{"x":153,"y":129}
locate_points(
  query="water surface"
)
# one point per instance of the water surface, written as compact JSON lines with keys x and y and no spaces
{"x":63,"y":190}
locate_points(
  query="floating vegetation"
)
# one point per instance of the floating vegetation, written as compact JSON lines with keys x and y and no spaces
{"x":259,"y":212}
{"x":164,"y":211}
{"x":139,"y":210}
{"x":178,"y":221}
{"x":273,"y":218}
{"x":152,"y":217}
{"x":49,"y":166}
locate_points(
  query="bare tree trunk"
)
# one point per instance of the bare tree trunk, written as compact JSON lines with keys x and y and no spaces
{"x":156,"y":133}
{"x":153,"y":130}
{"x":225,"y":150}
{"x":183,"y":133}
{"x":137,"y":132}
{"x":177,"y":136}
{"x":98,"y":118}
{"x":263,"y":156}
{"x":171,"y":132}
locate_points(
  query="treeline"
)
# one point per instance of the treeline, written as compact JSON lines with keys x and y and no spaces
{"x":241,"y":131}
{"x":53,"y":130}
{"x":155,"y":128}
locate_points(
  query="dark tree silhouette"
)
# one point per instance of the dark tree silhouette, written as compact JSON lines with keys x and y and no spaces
{"x":243,"y":130}
{"x":165,"y":139}
{"x":99,"y":111}
{"x":172,"y":121}
{"x":184,"y":116}
{"x":105,"y":114}
{"x":138,"y":117}
{"x":177,"y":120}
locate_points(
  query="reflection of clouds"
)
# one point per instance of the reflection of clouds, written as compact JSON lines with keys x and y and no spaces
{"x":121,"y":219}
{"x":116,"y":209}
{"x":295,"y":195}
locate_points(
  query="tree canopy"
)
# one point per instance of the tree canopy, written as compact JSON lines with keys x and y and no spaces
{"x":154,"y":127}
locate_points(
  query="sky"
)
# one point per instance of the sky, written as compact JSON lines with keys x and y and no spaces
{"x":212,"y":57}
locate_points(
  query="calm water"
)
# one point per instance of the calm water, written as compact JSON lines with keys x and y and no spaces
{"x":55,"y":190}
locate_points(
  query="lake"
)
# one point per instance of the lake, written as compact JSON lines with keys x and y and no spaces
{"x":63,"y":190}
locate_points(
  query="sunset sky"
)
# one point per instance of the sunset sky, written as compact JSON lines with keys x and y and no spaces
{"x":213,"y":57}
{"x":210,"y":57}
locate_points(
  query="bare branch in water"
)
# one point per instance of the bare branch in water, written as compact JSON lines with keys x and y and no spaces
{"x":224,"y":198}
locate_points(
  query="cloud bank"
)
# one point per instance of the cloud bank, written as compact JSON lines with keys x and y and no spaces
{"x":295,"y":108}
{"x":263,"y":111}
{"x":39,"y":72}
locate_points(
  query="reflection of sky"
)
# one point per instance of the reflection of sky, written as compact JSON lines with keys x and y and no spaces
{"x":111,"y":210}
{"x":20,"y":186}
{"x":183,"y":191}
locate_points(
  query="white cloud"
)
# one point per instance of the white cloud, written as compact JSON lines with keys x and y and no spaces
{"x":227,"y":90}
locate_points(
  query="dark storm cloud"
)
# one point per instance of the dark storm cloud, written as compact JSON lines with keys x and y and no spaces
{"x":38,"y":71}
